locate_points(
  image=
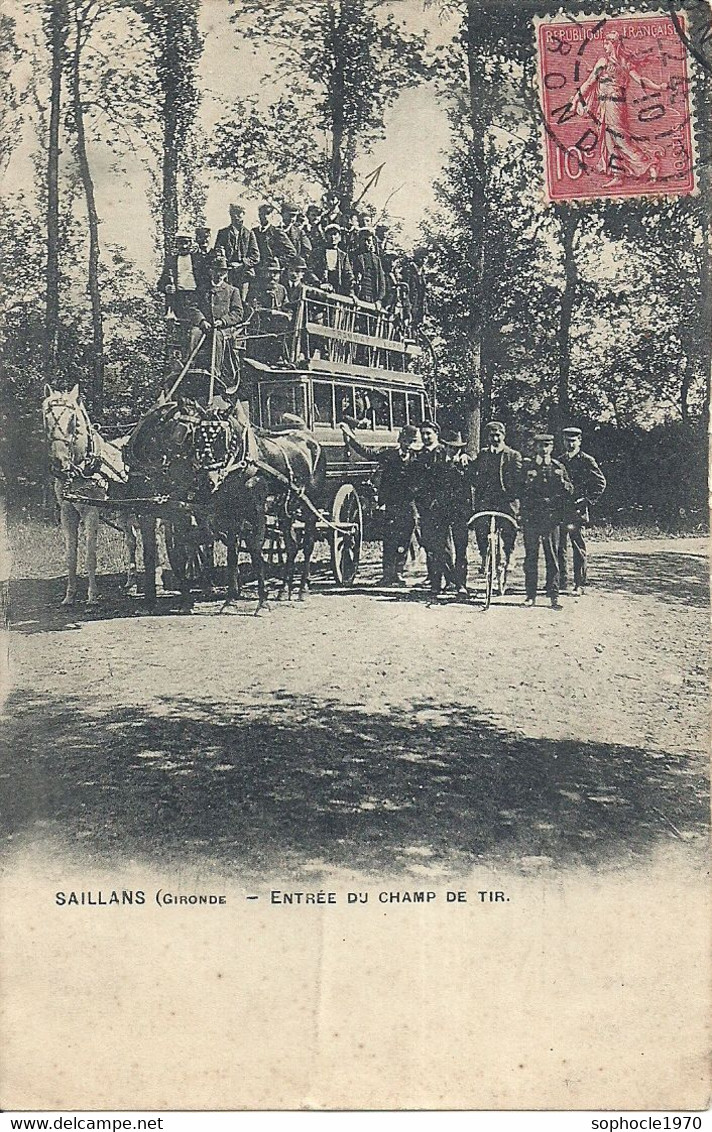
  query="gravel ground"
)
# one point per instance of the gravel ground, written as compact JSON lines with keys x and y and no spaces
{"x":363,"y":729}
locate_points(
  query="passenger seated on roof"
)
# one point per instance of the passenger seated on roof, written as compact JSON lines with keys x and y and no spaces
{"x":271,"y":305}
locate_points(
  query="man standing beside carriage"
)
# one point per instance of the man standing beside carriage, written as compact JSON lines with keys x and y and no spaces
{"x":395,"y":495}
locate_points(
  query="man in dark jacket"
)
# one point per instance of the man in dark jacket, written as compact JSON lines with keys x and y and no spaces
{"x":545,"y":493}
{"x":368,"y":270}
{"x":272,"y":241}
{"x":395,"y":494}
{"x":239,"y":246}
{"x":589,"y":484}
{"x":495,"y":475}
{"x":439,"y":493}
{"x":296,"y":232}
{"x":417,"y":284}
{"x":331,"y":265}
{"x":216,"y":310}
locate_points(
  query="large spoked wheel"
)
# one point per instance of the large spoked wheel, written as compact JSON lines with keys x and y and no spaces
{"x":190,"y":559}
{"x":346,"y":543}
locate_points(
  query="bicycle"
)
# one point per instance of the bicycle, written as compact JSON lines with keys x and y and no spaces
{"x":495,"y":563}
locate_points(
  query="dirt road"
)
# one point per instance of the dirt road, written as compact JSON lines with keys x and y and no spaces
{"x":362,"y":729}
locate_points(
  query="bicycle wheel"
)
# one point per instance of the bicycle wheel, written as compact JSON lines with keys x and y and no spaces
{"x":490,"y":570}
{"x":500,"y":564}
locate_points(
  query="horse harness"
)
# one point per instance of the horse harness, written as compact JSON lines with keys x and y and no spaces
{"x":91,"y":467}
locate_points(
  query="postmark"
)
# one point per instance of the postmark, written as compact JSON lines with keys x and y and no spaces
{"x":616,"y":107}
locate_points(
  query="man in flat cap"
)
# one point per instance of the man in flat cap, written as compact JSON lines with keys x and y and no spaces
{"x":272,"y":240}
{"x":395,"y":494}
{"x":239,"y":246}
{"x":545,"y":494}
{"x":295,"y":231}
{"x":438,"y":497}
{"x":495,"y":475}
{"x":331,"y":265}
{"x":589,"y":484}
{"x":368,"y":270}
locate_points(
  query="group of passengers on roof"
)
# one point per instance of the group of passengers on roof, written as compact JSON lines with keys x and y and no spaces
{"x":266,"y":268}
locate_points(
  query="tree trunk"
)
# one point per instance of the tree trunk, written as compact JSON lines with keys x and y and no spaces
{"x":58,"y":38}
{"x":479,"y":123}
{"x":97,"y":318}
{"x":687,"y":375}
{"x":569,"y":219}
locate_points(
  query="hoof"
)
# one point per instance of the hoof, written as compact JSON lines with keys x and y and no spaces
{"x":263,"y":608}
{"x":229,"y":607}
{"x":68,"y":600}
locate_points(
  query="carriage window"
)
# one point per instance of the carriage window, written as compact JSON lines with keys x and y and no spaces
{"x":381,"y":409}
{"x":415,"y":408}
{"x":323,"y":404}
{"x":345,"y":403}
{"x":398,"y":405}
{"x":278,"y":401}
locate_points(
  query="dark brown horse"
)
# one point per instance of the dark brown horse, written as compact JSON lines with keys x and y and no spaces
{"x":250,"y":471}
{"x":159,"y":454}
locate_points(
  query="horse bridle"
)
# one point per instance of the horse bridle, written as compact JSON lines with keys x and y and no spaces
{"x":56,"y":434}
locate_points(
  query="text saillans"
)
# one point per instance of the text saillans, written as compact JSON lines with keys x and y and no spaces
{"x":137,"y":897}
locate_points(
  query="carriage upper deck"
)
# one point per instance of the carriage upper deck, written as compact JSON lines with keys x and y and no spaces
{"x":338,"y":359}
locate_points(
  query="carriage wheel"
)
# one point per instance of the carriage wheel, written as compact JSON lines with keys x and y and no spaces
{"x":189,"y":558}
{"x":346,"y":546}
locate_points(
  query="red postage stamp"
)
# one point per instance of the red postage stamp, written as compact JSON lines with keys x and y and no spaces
{"x":616,"y":108}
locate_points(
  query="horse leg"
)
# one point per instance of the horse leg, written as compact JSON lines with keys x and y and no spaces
{"x":70,"y":529}
{"x":309,"y":541}
{"x":148,"y":539}
{"x":162,"y":562}
{"x":130,"y":543}
{"x":91,"y":530}
{"x":257,"y":540}
{"x":233,"y":572}
{"x":290,"y":545}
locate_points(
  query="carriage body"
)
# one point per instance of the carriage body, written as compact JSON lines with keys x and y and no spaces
{"x":332,"y":359}
{"x":342,"y":360}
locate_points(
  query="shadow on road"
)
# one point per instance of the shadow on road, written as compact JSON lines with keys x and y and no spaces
{"x":667,"y":575}
{"x":271,"y":786}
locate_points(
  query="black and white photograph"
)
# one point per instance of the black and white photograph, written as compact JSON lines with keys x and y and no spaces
{"x":354,"y":670}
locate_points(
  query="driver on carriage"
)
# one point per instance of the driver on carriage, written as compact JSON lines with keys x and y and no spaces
{"x":495,"y":476}
{"x":216,"y":311}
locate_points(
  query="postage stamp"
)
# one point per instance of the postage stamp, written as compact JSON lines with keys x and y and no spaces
{"x":616,"y":107}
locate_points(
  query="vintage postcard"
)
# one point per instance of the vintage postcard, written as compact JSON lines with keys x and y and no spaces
{"x":355,"y":388}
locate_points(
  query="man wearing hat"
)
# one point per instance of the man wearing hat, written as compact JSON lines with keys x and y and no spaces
{"x":331,"y":265}
{"x":439,"y":499}
{"x":295,"y":232}
{"x":495,"y":475}
{"x":395,"y":494}
{"x":368,"y":270}
{"x":216,"y":309}
{"x":239,"y":246}
{"x":545,"y":494}
{"x":202,"y":256}
{"x":180,"y":279}
{"x":589,"y":485}
{"x":272,"y":241}
{"x":269,"y":299}
{"x":315,"y":228}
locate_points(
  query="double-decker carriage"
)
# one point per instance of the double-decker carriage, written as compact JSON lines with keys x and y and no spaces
{"x":336,"y":359}
{"x":330,"y":358}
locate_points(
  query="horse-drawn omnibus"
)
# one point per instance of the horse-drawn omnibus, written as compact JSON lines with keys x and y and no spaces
{"x":331,"y":358}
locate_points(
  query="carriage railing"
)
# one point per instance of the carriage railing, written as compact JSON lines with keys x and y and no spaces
{"x":347,"y":331}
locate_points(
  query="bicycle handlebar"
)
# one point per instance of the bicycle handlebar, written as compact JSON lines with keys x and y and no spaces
{"x":493,"y":515}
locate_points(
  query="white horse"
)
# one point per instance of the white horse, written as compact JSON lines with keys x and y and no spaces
{"x":86,"y":464}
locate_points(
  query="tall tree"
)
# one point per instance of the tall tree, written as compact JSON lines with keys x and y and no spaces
{"x":57,"y":30}
{"x":337,"y":67}
{"x":84,"y":14}
{"x":172,"y":26}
